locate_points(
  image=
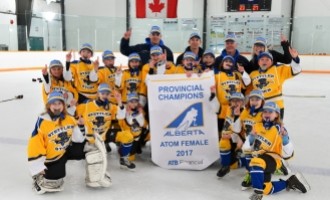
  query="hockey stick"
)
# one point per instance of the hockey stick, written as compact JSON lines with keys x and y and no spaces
{"x":12,"y":99}
{"x":304,"y":96}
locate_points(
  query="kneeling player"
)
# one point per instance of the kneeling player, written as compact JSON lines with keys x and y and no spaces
{"x":134,"y":123}
{"x":55,"y":139}
{"x":231,"y":141}
{"x":267,"y":151}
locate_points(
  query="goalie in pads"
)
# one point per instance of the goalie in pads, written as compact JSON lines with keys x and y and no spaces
{"x":98,"y":115}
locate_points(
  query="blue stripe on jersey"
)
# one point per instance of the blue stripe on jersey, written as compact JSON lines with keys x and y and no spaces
{"x":35,"y":131}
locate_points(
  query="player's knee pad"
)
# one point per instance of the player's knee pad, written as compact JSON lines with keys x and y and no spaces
{"x":257,"y":162}
{"x":124,"y":137}
{"x":224,"y":144}
{"x":268,"y":186}
{"x":287,"y":151}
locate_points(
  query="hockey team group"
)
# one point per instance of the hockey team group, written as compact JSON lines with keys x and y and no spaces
{"x":87,"y":106}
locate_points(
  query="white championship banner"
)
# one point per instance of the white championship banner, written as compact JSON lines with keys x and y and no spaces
{"x":183,"y":126}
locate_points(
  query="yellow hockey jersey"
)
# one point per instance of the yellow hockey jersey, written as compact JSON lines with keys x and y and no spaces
{"x":268,"y":141}
{"x":248,"y":121}
{"x":49,"y":140}
{"x":81,"y":77}
{"x":98,"y":119}
{"x":225,"y":86}
{"x":130,"y":83}
{"x":61,"y":86}
{"x":271,"y":81}
{"x":108,"y":75}
{"x":181,"y":69}
{"x":229,"y":122}
{"x":145,"y":71}
{"x":227,"y":131}
{"x":133,"y":122}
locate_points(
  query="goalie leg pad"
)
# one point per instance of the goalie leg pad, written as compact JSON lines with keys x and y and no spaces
{"x":95,"y":177}
{"x":94,"y":172}
{"x":94,"y":157}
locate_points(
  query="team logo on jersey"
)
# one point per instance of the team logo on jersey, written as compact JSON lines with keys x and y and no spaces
{"x":99,"y":121}
{"x":190,"y":117}
{"x":231,"y":89}
{"x":262,"y":82}
{"x":62,"y":138}
{"x":132,"y":87}
{"x":86,"y":80}
{"x":135,"y":127}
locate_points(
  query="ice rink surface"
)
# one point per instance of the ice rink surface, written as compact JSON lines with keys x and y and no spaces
{"x":307,"y":118}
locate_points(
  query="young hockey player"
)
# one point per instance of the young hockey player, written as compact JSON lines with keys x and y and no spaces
{"x":55,"y":139}
{"x":208,"y":61}
{"x":109,"y":73}
{"x":248,"y":118}
{"x":83,"y":73}
{"x":134,"y":123}
{"x":157,"y":65}
{"x":229,"y":81}
{"x":189,"y":65}
{"x":266,"y":149}
{"x":231,"y":141}
{"x":98,"y":115}
{"x":131,"y":79}
{"x":270,"y":78}
{"x":54,"y":81}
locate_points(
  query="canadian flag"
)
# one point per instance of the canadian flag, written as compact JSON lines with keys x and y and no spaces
{"x":156,"y":8}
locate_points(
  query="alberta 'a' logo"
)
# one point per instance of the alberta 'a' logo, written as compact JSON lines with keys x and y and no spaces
{"x":190,"y":117}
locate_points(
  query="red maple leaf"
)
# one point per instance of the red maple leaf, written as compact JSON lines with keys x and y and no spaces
{"x":156,"y":6}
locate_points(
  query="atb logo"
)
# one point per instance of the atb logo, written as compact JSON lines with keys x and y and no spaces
{"x":190,"y":117}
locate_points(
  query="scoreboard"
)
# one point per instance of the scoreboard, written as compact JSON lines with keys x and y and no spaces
{"x":248,"y":5}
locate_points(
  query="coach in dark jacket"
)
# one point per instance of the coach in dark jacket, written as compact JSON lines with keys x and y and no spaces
{"x":194,"y":46}
{"x":144,"y":49}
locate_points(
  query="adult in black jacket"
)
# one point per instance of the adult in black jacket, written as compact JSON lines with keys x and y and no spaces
{"x":260,"y":45}
{"x":144,"y":49}
{"x":194,"y":46}
{"x":231,"y":50}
